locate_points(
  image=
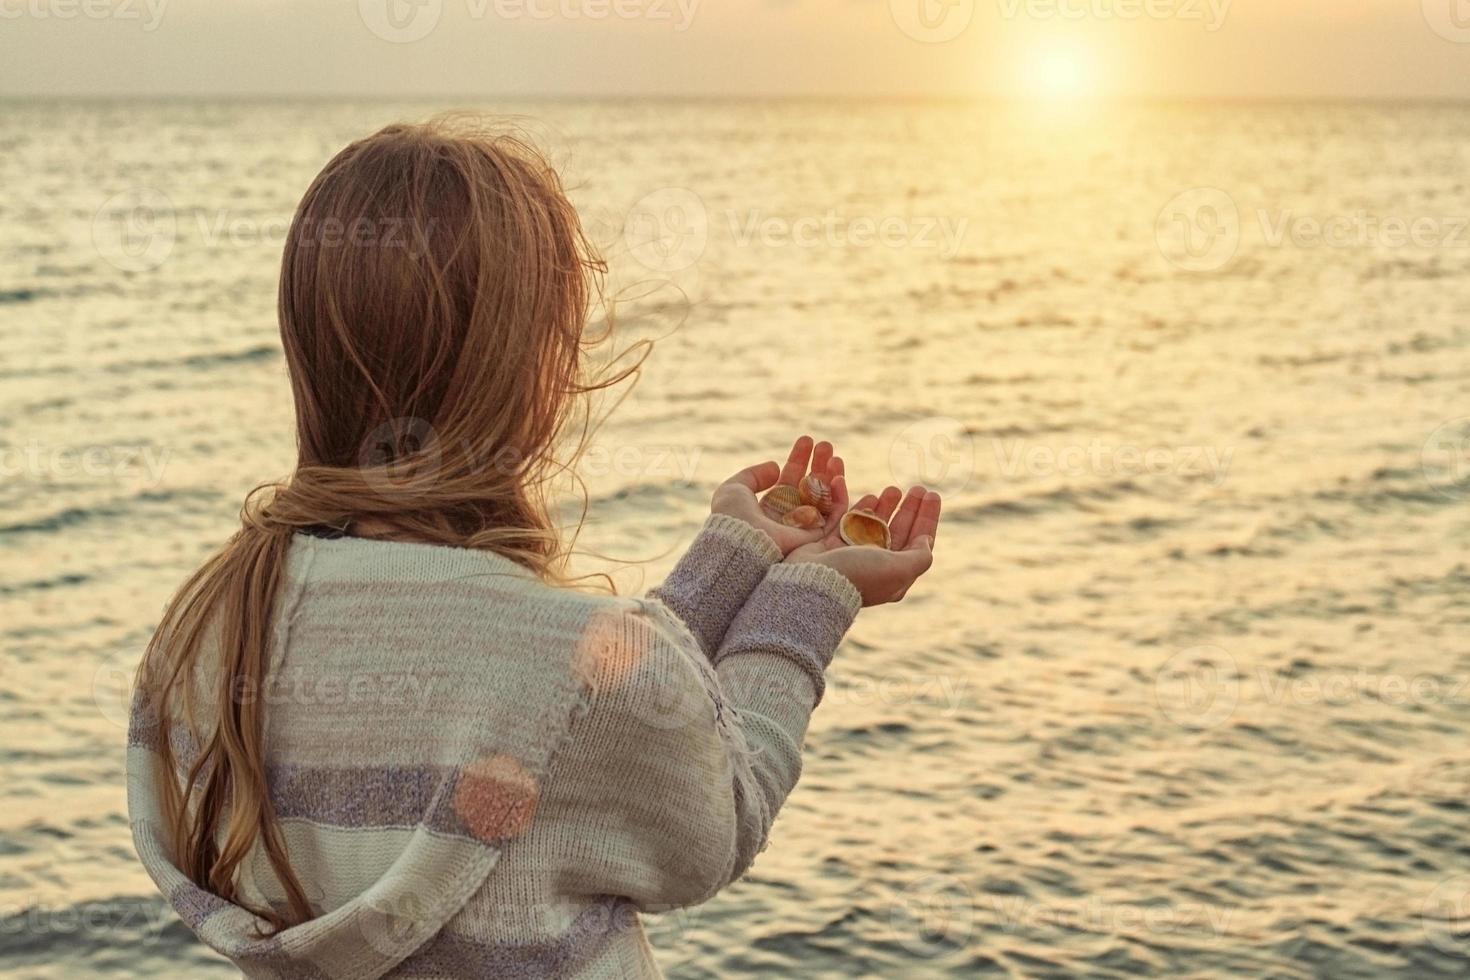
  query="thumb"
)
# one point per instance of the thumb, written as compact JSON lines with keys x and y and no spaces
{"x":757,"y":478}
{"x":920,"y":553}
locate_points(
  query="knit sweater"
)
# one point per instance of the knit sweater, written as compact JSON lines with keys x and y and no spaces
{"x":480,"y":775}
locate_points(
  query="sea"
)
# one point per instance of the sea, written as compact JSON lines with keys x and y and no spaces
{"x":1187,"y":691}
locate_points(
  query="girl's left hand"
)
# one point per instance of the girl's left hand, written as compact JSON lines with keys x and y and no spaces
{"x":739,"y":496}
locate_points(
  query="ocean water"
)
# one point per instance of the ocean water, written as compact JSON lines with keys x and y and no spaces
{"x":1187,"y":692}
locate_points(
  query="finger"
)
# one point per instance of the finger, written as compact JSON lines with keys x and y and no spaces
{"x":837,"y":470}
{"x":903,"y":522}
{"x":868,"y":502}
{"x":757,"y":478}
{"x":822,"y":461}
{"x":795,"y":468}
{"x":839,"y":504}
{"x":926,"y":524}
{"x":887,"y":501}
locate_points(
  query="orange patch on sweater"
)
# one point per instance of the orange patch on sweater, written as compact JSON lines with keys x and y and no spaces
{"x":605,"y":650}
{"x":496,"y":797}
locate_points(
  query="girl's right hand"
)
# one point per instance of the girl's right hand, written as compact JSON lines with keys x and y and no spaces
{"x":740,"y":495}
{"x":884,"y":576}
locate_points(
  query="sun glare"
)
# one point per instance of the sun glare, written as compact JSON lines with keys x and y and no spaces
{"x":1059,"y":73}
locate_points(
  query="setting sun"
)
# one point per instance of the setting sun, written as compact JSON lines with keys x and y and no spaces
{"x":1059,"y":73}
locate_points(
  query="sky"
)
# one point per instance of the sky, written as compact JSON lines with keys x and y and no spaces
{"x":1246,"y":49}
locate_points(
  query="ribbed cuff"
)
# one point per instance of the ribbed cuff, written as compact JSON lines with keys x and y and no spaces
{"x":706,"y":589}
{"x":800,"y":612}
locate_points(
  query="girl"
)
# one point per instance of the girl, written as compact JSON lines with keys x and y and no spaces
{"x":376,"y":734}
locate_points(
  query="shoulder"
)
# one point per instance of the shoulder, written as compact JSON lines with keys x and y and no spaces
{"x":397,"y":573}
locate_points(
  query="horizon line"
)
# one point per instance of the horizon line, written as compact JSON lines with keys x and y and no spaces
{"x":717,"y":97}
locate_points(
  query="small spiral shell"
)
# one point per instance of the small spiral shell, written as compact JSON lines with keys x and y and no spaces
{"x":815,"y":492}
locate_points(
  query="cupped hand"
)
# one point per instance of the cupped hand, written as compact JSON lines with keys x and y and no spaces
{"x":739,"y":496}
{"x":884,"y":575}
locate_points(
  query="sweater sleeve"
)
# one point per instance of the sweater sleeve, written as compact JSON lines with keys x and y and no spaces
{"x":711,"y":582}
{"x":771,"y":670}
{"x":678,"y":767}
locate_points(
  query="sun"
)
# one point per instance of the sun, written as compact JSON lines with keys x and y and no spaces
{"x":1060,"y":73}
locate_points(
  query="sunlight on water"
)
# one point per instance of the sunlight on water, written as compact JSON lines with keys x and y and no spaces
{"x":1186,"y":692}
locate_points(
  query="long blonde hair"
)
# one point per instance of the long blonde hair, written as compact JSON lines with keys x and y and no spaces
{"x":434,"y":290}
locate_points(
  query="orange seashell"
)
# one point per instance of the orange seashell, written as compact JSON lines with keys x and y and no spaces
{"x":815,"y":492}
{"x":780,"y":501}
{"x":863,"y":527}
{"x":806,"y":517}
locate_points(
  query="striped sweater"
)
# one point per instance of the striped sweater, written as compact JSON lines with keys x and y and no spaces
{"x":480,"y":775}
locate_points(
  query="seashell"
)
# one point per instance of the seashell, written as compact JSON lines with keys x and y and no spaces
{"x":806,"y":517}
{"x":863,"y":527}
{"x":815,"y":492}
{"x":781,"y":500}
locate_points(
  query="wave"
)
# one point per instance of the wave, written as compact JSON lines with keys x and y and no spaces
{"x":71,"y":517}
